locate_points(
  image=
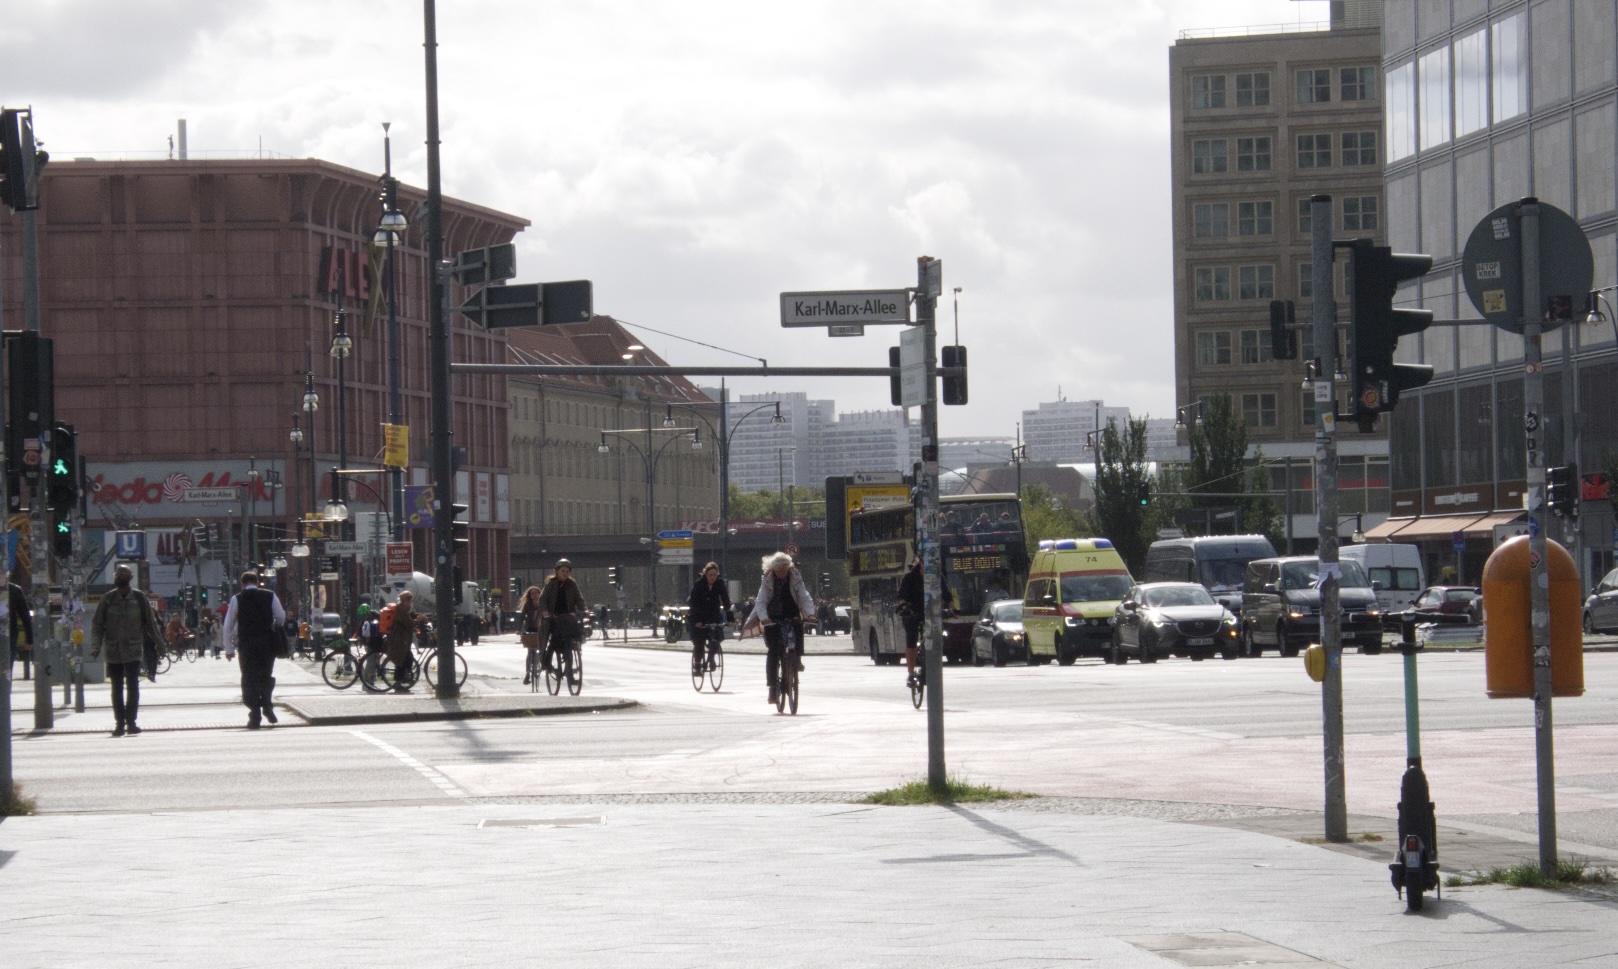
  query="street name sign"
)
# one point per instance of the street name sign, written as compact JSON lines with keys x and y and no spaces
{"x":845,"y":307}
{"x":209,"y":495}
{"x":676,"y":556}
{"x":345,"y":548}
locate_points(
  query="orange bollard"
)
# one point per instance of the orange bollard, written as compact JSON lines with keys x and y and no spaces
{"x":1508,"y":635}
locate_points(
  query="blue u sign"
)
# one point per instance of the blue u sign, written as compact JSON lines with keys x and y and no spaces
{"x":131,"y":545}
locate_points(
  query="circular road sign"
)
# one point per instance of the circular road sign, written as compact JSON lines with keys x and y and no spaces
{"x":792,"y":549}
{"x":1492,"y":266}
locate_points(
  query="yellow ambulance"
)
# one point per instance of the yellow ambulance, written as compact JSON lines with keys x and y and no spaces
{"x":1074,"y":584}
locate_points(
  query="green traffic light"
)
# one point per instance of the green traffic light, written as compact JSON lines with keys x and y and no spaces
{"x":59,"y":467}
{"x":63,"y":528}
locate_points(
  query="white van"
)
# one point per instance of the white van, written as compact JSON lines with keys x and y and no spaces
{"x":1394,"y":570}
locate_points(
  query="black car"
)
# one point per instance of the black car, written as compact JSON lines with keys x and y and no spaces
{"x":1161,"y":619}
{"x":1281,"y":606}
{"x":998,"y":636}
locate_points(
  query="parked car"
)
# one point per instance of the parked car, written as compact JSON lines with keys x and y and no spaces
{"x":1601,"y":609}
{"x":1217,"y":562}
{"x":1443,"y":603}
{"x":1161,"y":619}
{"x":998,"y":636}
{"x":842,"y":621}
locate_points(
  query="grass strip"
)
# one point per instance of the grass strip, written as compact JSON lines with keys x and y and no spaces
{"x":1569,"y":872}
{"x":954,"y":791}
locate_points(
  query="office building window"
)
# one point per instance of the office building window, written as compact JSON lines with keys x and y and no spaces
{"x":1314,"y":86}
{"x":1359,"y":213}
{"x":1257,"y":282}
{"x":1314,"y":151}
{"x":1211,"y":220}
{"x":1307,"y":407}
{"x":1256,"y":346}
{"x":1213,"y":283}
{"x":1255,"y":218}
{"x":1208,"y":156}
{"x":1510,"y":68}
{"x":1433,"y":70}
{"x":1400,"y":112}
{"x":1253,"y":90}
{"x":1306,"y":280}
{"x":1258,"y":410}
{"x":1306,"y":222}
{"x":1471,"y":83}
{"x":1358,"y":83}
{"x":1208,"y":91}
{"x":1253,"y":154}
{"x":1359,"y":148}
{"x":1213,"y":349}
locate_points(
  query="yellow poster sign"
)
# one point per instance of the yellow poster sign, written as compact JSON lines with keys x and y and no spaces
{"x":395,"y":445}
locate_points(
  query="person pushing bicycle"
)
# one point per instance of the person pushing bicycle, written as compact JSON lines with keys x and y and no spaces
{"x":782,"y":597}
{"x":709,"y":605}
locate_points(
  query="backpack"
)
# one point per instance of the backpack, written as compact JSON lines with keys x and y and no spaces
{"x":384,"y":620}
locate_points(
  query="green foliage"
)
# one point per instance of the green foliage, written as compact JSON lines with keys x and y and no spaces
{"x":955,"y":791}
{"x":765,"y":505}
{"x":1120,"y":474}
{"x":14,"y":803}
{"x":1569,"y":871}
{"x":1046,"y":514}
{"x":1219,"y":466}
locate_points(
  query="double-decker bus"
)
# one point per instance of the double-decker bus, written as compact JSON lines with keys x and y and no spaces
{"x":984,"y":558}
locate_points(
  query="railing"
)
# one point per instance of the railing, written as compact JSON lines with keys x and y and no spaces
{"x":1295,"y":28}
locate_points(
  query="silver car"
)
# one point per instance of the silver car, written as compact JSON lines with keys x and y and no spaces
{"x":998,"y":635}
{"x":1161,"y":619}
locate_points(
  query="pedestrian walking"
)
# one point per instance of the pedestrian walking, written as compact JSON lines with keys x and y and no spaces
{"x":123,"y":625}
{"x":22,"y":627}
{"x":399,"y":641}
{"x":250,"y":626}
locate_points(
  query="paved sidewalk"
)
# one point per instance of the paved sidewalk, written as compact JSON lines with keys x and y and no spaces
{"x":736,"y":883}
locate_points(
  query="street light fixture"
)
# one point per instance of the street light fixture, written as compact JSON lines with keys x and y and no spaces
{"x":389,"y":234}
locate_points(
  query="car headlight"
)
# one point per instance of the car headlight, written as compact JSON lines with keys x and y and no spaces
{"x":1072,"y":620}
{"x":1297,"y":614}
{"x":1373,"y":612}
{"x":1230,"y":621}
{"x":1013,"y":637}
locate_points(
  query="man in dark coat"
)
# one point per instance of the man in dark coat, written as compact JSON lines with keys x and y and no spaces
{"x":22,"y":626}
{"x":123,"y":624}
{"x":250,"y":625}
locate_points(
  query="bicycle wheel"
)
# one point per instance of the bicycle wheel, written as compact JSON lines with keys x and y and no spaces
{"x":191,"y":654}
{"x":716,"y":667}
{"x":575,"y":671}
{"x":431,"y":667}
{"x":339,"y":670}
{"x":553,"y":676}
{"x":165,"y":662}
{"x":536,"y":673}
{"x":376,"y":673}
{"x":699,"y":671}
{"x":792,"y":693}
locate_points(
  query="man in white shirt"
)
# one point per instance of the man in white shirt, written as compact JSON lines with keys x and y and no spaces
{"x":250,"y":623}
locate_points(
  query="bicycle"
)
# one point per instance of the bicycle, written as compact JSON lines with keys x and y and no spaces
{"x":567,"y":666}
{"x":917,"y":682}
{"x":340,"y":669}
{"x":713,"y":668}
{"x":786,"y":687}
{"x":536,"y":669}
{"x":378,"y":675}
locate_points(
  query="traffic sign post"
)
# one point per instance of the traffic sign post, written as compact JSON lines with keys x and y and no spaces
{"x":531,"y":304}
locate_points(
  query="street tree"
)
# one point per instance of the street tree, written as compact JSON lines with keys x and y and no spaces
{"x":1046,"y":514}
{"x":1221,"y":481}
{"x":1123,"y":490}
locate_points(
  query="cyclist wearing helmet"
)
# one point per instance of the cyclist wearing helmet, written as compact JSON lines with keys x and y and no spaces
{"x":561,"y":606}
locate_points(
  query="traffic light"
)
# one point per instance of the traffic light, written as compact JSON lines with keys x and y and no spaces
{"x":1143,"y":493}
{"x":894,"y":391}
{"x":62,"y":484}
{"x":205,"y":596}
{"x":20,"y":160}
{"x":612,"y":575}
{"x":1375,"y":328}
{"x":955,"y":387}
{"x":456,"y":575}
{"x":1283,"y":338}
{"x":62,"y":534}
{"x":31,"y":368}
{"x":1562,"y":490}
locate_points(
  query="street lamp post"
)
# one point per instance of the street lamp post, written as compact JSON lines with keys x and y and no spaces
{"x":649,"y":460}
{"x":388,"y":232}
{"x":724,"y":435}
{"x":780,"y":483}
{"x":296,"y":437}
{"x":311,"y":404}
{"x":341,"y":346}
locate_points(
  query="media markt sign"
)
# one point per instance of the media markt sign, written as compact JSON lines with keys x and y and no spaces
{"x":843,"y":308}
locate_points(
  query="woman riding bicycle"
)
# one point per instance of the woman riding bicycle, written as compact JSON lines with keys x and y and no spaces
{"x":782,"y":598}
{"x":561,"y":610}
{"x":709,"y":605}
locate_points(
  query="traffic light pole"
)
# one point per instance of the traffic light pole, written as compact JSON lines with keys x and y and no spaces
{"x":1539,"y":595}
{"x":928,"y":286}
{"x":1331,"y":627}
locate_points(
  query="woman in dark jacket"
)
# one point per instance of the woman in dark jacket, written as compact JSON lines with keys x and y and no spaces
{"x":709,"y":605}
{"x":561,"y":604}
{"x":532,"y":624}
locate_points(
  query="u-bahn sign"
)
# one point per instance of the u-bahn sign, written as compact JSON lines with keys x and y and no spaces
{"x":845,"y":307}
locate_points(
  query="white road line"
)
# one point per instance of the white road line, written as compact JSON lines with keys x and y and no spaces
{"x":438,"y":780}
{"x":1152,"y":725}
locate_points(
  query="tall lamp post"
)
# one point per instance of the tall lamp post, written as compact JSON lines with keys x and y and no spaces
{"x":311,"y":404}
{"x":649,"y":459}
{"x":341,"y":346}
{"x":724,"y":435}
{"x":780,"y":479}
{"x":388,"y":234}
{"x":296,"y":437}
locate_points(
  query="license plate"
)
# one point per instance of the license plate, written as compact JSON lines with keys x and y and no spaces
{"x":1200,"y":641}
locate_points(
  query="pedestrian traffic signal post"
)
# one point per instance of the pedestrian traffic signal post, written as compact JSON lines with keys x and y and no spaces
{"x":62,"y":481}
{"x":1375,"y":327}
{"x":1562,"y":490}
{"x":612,"y":575}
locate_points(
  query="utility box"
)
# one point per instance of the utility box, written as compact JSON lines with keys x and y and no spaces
{"x":1508,"y":638}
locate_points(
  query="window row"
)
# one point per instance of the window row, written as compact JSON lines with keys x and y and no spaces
{"x":1259,"y":409}
{"x":1453,"y":91}
{"x":1350,"y":149}
{"x":1213,"y":220}
{"x":1213,"y":283}
{"x":1311,"y":86}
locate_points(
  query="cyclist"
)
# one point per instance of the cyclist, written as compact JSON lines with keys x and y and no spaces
{"x":561,"y":606}
{"x":782,"y":598}
{"x":532,"y":619}
{"x":709,"y":603}
{"x":912,"y":607}
{"x":401,"y":634}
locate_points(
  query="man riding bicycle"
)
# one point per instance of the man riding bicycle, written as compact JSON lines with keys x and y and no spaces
{"x":709,"y":605}
{"x":782,"y":598}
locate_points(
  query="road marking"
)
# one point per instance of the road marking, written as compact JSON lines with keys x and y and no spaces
{"x":1153,"y":725}
{"x":438,"y":780}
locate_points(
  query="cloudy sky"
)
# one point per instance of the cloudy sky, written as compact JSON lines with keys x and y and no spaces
{"x":696,"y":158}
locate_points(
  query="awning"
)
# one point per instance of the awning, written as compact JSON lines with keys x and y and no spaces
{"x":1485,"y":525}
{"x":1426,"y":529}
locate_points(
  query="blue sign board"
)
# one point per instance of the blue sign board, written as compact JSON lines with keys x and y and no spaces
{"x":676,"y":533}
{"x":131,"y":545}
